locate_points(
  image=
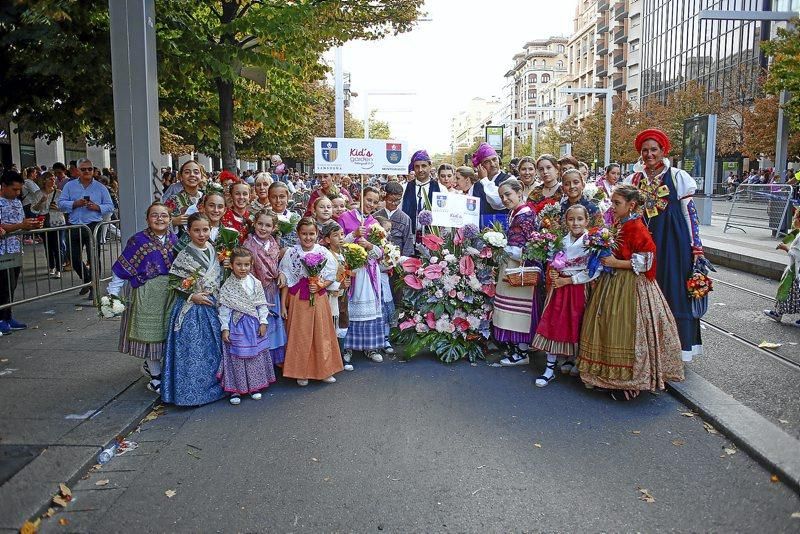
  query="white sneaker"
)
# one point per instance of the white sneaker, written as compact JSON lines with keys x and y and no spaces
{"x":255,"y":396}
{"x":347,"y":356}
{"x":330,"y":380}
{"x":388,"y":349}
{"x":302,"y":382}
{"x":236,"y":401}
{"x":348,"y":367}
{"x":375,"y":356}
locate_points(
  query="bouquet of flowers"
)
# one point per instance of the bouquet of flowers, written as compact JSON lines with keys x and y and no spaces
{"x":355,"y":256}
{"x":424,"y":218}
{"x":543,"y":245}
{"x":391,"y":255}
{"x":288,"y":223}
{"x":699,"y":285}
{"x":593,"y":194}
{"x":600,"y":241}
{"x":110,"y":306}
{"x":314,"y":262}
{"x":550,"y":216}
{"x":189,"y":284}
{"x":376,"y":234}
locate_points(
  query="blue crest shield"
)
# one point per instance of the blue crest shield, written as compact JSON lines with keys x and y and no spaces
{"x":441,"y":201}
{"x":330,"y":150}
{"x":394,"y":152}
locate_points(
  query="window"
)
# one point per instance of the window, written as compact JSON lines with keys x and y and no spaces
{"x":545,"y":78}
{"x":531,"y":94}
{"x":544,"y":63}
{"x":560,"y":49}
{"x":560,"y":64}
{"x":533,"y":63}
{"x":531,"y":78}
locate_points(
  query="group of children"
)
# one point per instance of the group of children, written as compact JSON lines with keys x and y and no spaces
{"x":228,"y":303}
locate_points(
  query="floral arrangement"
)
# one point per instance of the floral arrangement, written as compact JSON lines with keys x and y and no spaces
{"x":288,"y":223}
{"x":699,"y":285}
{"x":376,"y":234}
{"x":189,"y":284}
{"x":448,"y":291}
{"x":110,"y":306}
{"x":542,"y":246}
{"x":391,"y":255}
{"x":594,"y":194}
{"x":355,"y":256}
{"x":424,"y":218}
{"x":600,"y":242}
{"x":549,"y":217}
{"x":314,"y":262}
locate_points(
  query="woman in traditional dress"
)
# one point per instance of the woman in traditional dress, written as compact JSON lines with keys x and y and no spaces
{"x":194,"y":346}
{"x":145,"y":264}
{"x":516,"y":308}
{"x":671,"y":217}
{"x":365,"y":308}
{"x":606,"y":184}
{"x":184,"y":203}
{"x":629,"y":340}
{"x":237,"y":217}
{"x":549,"y":189}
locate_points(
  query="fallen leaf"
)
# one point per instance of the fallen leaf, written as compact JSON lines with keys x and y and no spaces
{"x":637,"y":432}
{"x":646,"y":496}
{"x":774,"y":478}
{"x":78,"y":308}
{"x":170,"y":493}
{"x":688,"y":414}
{"x":65,"y":491}
{"x":314,"y":460}
{"x":678,"y":442}
{"x":710,"y":429}
{"x":730,"y":450}
{"x":63,"y":521}
{"x":103,"y":482}
{"x":768,"y":345}
{"x":537,"y":445}
{"x":4,"y":360}
{"x":61,"y":501}
{"x":783,"y":421}
{"x":30,"y":527}
{"x":795,"y":515}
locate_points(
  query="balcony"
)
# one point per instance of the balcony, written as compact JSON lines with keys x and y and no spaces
{"x":600,"y":67}
{"x":620,"y":10}
{"x":602,"y":5}
{"x":601,"y":47}
{"x":620,"y":58}
{"x":600,"y":83}
{"x":602,"y":23}
{"x":620,"y":35}
{"x":618,"y":82}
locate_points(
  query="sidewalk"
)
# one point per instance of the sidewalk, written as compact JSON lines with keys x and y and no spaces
{"x":66,"y":392}
{"x":747,"y":249}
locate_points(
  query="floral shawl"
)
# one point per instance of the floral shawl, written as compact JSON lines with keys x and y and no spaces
{"x":145,"y":257}
{"x":204,"y":261}
{"x":265,"y":263}
{"x":233,"y":295}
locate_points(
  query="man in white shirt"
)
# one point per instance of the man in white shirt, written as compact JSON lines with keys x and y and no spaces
{"x":419,"y":191}
{"x":487,"y":160}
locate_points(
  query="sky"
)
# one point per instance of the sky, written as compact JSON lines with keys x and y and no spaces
{"x":462,"y":52}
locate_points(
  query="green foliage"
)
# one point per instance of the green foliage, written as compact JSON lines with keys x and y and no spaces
{"x":447,"y":348}
{"x":355,"y":128}
{"x":784,"y":73}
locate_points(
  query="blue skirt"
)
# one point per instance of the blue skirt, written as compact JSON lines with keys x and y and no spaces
{"x":365,"y":335}
{"x":189,"y":376}
{"x":276,"y":334}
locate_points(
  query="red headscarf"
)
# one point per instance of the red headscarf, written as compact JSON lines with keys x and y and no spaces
{"x":656,"y":135}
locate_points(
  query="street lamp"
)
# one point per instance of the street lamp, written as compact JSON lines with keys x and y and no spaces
{"x":782,"y":137}
{"x":609,"y":92}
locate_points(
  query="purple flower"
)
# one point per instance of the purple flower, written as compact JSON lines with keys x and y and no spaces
{"x":312,"y":259}
{"x":425,"y":218}
{"x":470,"y":231}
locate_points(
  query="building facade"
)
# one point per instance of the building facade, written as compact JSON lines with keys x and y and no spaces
{"x":468,"y":125}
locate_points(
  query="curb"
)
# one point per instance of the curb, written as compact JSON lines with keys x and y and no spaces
{"x":760,"y":438}
{"x":740,"y":262}
{"x":28,"y":493}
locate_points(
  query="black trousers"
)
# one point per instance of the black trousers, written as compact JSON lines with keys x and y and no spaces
{"x":78,"y":241}
{"x":8,"y":283}
{"x":53,"y":245}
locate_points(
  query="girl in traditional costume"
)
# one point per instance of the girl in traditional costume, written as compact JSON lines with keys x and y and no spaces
{"x":145,"y":264}
{"x":311,"y":350}
{"x":572,"y":185}
{"x":365,"y":309}
{"x":213,"y":207}
{"x":559,"y":330}
{"x":265,"y":251}
{"x":246,"y":366}
{"x":670,"y":215}
{"x":549,"y":189}
{"x":331,"y":237}
{"x":322,"y":211}
{"x":787,"y":300}
{"x":237,"y":217}
{"x":629,"y":340}
{"x":516,"y":308}
{"x":194,"y":347}
{"x":184,"y":203}
{"x":279,"y":202}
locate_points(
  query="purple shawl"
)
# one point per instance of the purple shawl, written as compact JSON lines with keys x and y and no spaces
{"x":144,"y":258}
{"x":349,"y":222}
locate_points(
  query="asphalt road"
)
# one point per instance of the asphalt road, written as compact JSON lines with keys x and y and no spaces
{"x":420,"y":446}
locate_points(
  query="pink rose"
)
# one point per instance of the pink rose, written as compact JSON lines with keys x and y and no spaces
{"x":432,"y":242}
{"x":466,"y":266}
{"x":451,"y":293}
{"x":411,"y":265}
{"x":412,"y":281}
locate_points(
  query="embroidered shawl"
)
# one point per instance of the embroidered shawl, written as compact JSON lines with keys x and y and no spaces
{"x":233,"y":295}
{"x":265,"y":263}
{"x":190,"y":260}
{"x":145,"y":257}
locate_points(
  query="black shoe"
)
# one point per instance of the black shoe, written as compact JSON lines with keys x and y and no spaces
{"x":85,"y":290}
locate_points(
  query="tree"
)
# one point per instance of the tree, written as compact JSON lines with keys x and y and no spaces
{"x":784,"y":73}
{"x":760,"y":130}
{"x":355,"y":128}
{"x":626,"y":122}
{"x":550,"y":140}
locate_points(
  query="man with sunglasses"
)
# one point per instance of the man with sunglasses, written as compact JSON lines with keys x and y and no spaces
{"x":85,"y":201}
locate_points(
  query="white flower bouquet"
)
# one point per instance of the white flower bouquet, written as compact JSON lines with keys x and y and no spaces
{"x":110,"y":306}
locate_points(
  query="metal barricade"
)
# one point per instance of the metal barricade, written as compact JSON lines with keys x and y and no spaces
{"x":760,"y":206}
{"x":58,"y":260}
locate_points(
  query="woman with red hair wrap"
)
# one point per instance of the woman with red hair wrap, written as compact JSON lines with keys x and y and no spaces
{"x":671,"y":217}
